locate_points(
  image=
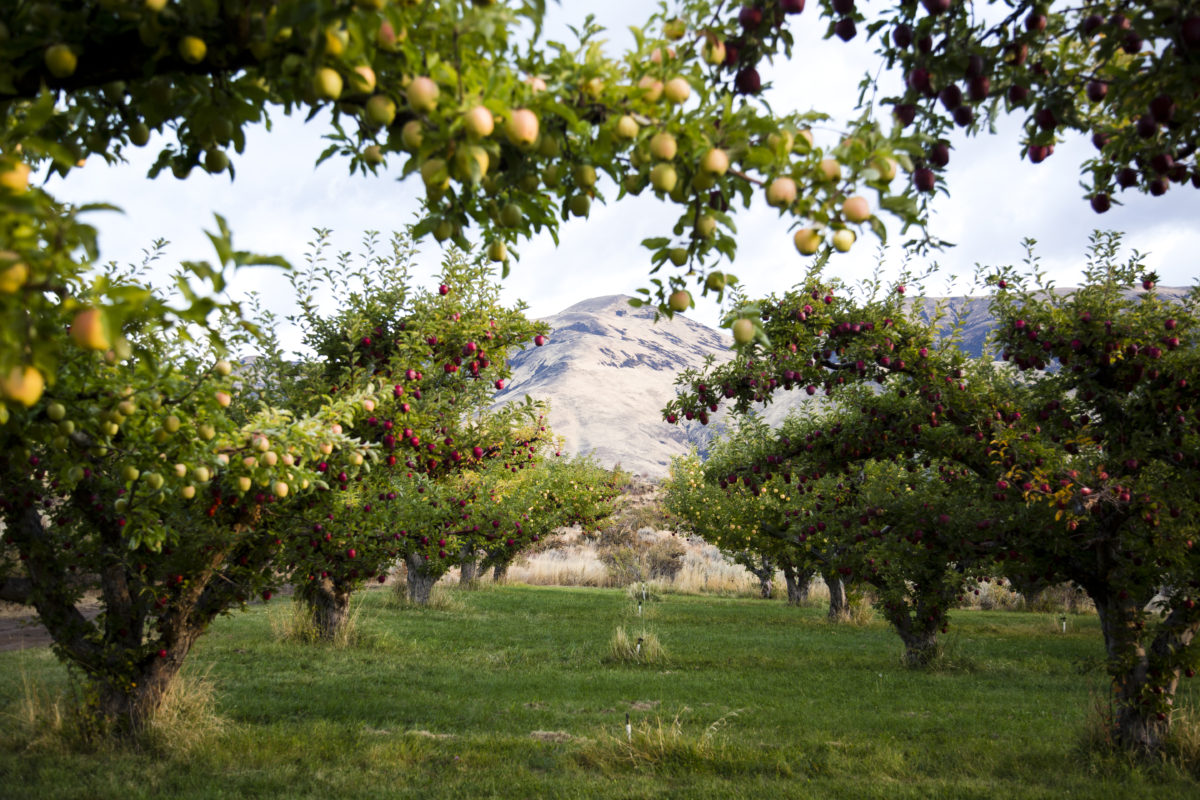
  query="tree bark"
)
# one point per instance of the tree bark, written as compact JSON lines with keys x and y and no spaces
{"x":420,"y":579}
{"x":1144,"y":679}
{"x":499,"y":572}
{"x":469,"y":568}
{"x":839,"y":609}
{"x":920,"y":644}
{"x":328,"y":606}
{"x":797,"y":583}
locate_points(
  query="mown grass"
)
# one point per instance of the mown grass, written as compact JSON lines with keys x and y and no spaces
{"x":513,"y":692}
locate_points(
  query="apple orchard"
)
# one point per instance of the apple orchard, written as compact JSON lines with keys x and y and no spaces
{"x":156,"y":447}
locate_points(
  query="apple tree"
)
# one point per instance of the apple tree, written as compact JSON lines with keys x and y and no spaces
{"x":143,"y":480}
{"x":1123,"y":74}
{"x":742,"y":516}
{"x":534,"y":503}
{"x":1091,"y":437}
{"x":440,"y":355}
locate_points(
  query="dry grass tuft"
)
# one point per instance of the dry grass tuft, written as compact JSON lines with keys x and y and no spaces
{"x":642,"y":647}
{"x":656,"y":744}
{"x":292,"y":623}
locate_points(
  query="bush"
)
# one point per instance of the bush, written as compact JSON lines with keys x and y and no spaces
{"x":665,"y":557}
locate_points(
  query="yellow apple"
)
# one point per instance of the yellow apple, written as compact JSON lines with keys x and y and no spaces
{"x":155,"y":5}
{"x":60,"y":60}
{"x":139,"y":134}
{"x":511,"y":215}
{"x":89,"y":331}
{"x":843,"y":240}
{"x":706,"y":226}
{"x":14,"y":175}
{"x":782,"y":141}
{"x":223,"y":368}
{"x":336,"y":40}
{"x":468,"y":157}
{"x":187,"y":492}
{"x":192,"y":49}
{"x":521,"y":127}
{"x":244,"y":484}
{"x":807,"y":241}
{"x":626,"y":127}
{"x":715,"y":161}
{"x":281,"y":489}
{"x":180,"y":470}
{"x":372,"y":154}
{"x":14,"y":275}
{"x":579,"y":205}
{"x":422,"y":95}
{"x":677,"y":90}
{"x":478,"y":122}
{"x":743,"y":331}
{"x":202,"y":474}
{"x":830,"y":169}
{"x":497,"y":251}
{"x":886,"y":168}
{"x":663,"y":146}
{"x":663,"y":177}
{"x":171,"y":423}
{"x":380,"y":110}
{"x":680,"y":300}
{"x":856,"y":209}
{"x":362,"y":79}
{"x":674,"y":29}
{"x":781,"y":192}
{"x":585,"y":176}
{"x":327,"y":83}
{"x":223,"y":399}
{"x":412,"y":135}
{"x":24,"y":385}
{"x":714,"y":52}
{"x":536,"y":84}
{"x":652,"y":88}
{"x":435,"y":174}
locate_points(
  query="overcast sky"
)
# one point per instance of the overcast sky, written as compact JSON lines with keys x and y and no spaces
{"x":995,"y":201}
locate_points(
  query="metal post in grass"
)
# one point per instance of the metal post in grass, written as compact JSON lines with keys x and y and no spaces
{"x":628,"y":728}
{"x":639,"y":647}
{"x":1063,"y":619}
{"x":639,"y":608}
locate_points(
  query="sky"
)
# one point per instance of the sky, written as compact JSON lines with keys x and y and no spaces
{"x":995,"y":201}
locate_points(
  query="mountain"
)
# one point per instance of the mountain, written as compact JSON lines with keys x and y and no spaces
{"x":608,"y":369}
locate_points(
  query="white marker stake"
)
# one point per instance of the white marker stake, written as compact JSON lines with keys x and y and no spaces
{"x":628,"y":728}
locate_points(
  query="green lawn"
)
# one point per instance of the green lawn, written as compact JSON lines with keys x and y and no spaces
{"x":755,"y":700}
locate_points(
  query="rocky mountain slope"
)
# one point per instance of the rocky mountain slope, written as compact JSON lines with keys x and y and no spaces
{"x":607,"y":370}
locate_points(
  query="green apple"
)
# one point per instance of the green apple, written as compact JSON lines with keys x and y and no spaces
{"x":380,"y":110}
{"x":743,"y":331}
{"x":781,"y":192}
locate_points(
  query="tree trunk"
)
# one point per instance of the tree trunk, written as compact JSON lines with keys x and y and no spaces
{"x":420,"y":579}
{"x":499,"y":572}
{"x":839,"y":609}
{"x":920,"y":645}
{"x":797,"y":583}
{"x":469,"y":568}
{"x":328,"y":606}
{"x":124,"y":707}
{"x":1144,"y":679}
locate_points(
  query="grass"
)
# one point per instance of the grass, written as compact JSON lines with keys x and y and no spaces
{"x":512,"y":692}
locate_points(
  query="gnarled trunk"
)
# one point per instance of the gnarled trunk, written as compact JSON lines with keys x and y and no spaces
{"x":328,"y":606}
{"x":920,"y":644}
{"x":1144,"y":678}
{"x":839,"y":608}
{"x":797,"y":583}
{"x":420,"y":579}
{"x":500,"y":572}
{"x":468,"y":567}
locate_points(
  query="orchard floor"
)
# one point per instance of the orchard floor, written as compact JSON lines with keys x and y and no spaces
{"x":513,"y":692}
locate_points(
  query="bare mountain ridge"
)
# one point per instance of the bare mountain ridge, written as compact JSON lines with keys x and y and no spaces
{"x":608,"y":368}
